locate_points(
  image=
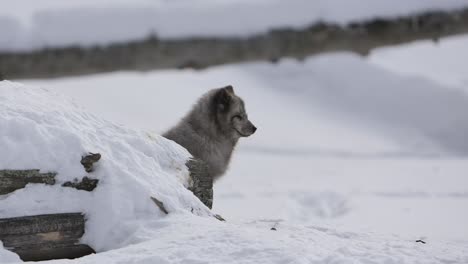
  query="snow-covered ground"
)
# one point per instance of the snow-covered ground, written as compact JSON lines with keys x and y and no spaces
{"x":353,"y":159}
{"x":27,"y":24}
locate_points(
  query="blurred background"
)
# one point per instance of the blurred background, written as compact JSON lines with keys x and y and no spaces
{"x":361,"y":105}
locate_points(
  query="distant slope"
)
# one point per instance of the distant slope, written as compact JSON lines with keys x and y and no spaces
{"x":88,"y":38}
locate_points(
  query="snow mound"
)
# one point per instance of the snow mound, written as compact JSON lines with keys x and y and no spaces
{"x":46,"y":131}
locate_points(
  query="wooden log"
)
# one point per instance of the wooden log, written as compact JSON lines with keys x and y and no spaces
{"x":202,"y":181}
{"x":154,"y":53}
{"x":45,"y":237}
{"x":11,"y":180}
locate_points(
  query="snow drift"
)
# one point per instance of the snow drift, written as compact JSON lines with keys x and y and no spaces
{"x":42,"y":130}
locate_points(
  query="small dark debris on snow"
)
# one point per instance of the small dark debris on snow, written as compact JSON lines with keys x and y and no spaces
{"x":220,"y":218}
{"x":273,"y":228}
{"x":86,"y":184}
{"x":88,"y":161}
{"x":160,"y":205}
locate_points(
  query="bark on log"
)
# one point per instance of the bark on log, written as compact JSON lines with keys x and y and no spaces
{"x":154,"y":53}
{"x":12,"y":180}
{"x":45,"y":237}
{"x":202,"y":182}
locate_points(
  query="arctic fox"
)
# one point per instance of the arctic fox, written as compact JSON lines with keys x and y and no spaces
{"x":210,"y":131}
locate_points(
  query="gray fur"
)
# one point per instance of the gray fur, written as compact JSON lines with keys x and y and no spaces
{"x":210,"y":131}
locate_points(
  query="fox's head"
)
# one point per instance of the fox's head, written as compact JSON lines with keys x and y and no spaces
{"x":230,"y":114}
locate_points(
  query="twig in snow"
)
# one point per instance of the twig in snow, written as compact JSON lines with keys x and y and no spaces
{"x":159,"y":204}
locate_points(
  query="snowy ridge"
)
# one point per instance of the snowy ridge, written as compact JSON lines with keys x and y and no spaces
{"x":38,"y":24}
{"x":42,"y":130}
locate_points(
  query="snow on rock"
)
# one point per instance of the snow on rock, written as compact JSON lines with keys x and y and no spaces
{"x":48,"y":23}
{"x":43,"y":130}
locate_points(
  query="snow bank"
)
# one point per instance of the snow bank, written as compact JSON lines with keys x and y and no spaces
{"x":43,"y":130}
{"x":48,"y":23}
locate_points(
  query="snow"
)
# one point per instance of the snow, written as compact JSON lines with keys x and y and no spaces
{"x":7,"y":256}
{"x":196,"y":240}
{"x":437,"y":61}
{"x":47,"y":23}
{"x":352,"y":162}
{"x":43,"y":130}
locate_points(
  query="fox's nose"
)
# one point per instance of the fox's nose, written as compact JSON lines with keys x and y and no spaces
{"x":254,"y":128}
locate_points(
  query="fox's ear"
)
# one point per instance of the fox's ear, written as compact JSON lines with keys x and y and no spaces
{"x":223,"y":98}
{"x":229,"y":88}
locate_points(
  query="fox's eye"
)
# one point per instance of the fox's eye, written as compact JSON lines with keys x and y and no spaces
{"x":238,"y":117}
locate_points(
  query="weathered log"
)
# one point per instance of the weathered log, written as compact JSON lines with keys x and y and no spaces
{"x":202,"y":182}
{"x":11,"y":180}
{"x":45,"y":237}
{"x":154,"y":53}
